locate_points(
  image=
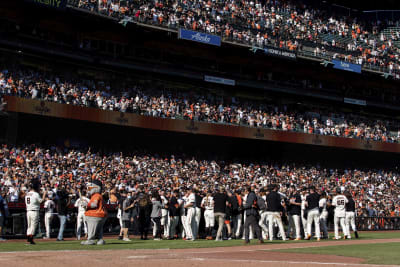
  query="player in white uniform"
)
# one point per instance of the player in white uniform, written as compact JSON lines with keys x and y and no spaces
{"x":323,"y":218}
{"x":81,"y":204}
{"x":303,"y":196}
{"x":32,"y":202}
{"x":190,"y":205}
{"x":49,"y":207}
{"x":164,"y":214}
{"x":182,"y":202}
{"x":339,"y":202}
{"x":208,"y":204}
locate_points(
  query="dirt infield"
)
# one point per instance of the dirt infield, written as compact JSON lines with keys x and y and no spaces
{"x":260,"y":255}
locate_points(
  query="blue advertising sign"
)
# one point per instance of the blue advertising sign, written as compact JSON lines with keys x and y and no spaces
{"x":199,"y":37}
{"x":337,"y":64}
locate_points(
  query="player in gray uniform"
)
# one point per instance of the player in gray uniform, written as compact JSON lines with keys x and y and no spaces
{"x":32,"y":202}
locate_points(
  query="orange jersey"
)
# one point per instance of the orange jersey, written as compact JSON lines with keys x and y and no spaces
{"x":99,"y":211}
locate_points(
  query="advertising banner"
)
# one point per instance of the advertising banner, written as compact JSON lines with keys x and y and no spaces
{"x":52,"y":109}
{"x":341,"y":65}
{"x":213,"y":79}
{"x":355,"y":101}
{"x":199,"y":37}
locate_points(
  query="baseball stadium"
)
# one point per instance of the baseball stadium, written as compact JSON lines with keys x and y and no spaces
{"x":199,"y":133}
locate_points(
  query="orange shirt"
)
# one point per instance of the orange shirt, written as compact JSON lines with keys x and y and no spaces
{"x":99,"y":211}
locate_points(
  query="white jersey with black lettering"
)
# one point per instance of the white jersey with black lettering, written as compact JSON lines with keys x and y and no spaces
{"x":81,"y":204}
{"x":339,"y":202}
{"x":49,"y":206}
{"x":192,"y":199}
{"x":32,"y":201}
{"x":208,"y":203}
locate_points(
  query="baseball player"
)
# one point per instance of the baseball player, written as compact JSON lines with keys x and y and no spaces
{"x":323,"y":218}
{"x":32,"y":202}
{"x":303,"y":196}
{"x":312,"y":204}
{"x":164,"y":214}
{"x":274,"y":206}
{"x":81,"y":204}
{"x":208,"y":204}
{"x":351,"y":215}
{"x":173,"y":212}
{"x":190,"y":205}
{"x":262,"y":209}
{"x":183,"y":212}
{"x":339,"y":202}
{"x":49,"y":207}
{"x":294,"y":213}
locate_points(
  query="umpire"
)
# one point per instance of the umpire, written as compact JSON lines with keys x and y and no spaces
{"x":251,"y":213}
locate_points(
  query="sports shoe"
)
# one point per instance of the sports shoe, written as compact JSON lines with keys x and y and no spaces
{"x":318,"y":239}
{"x":88,"y":242}
{"x":308,"y":237}
{"x":126,"y":239}
{"x":156,"y":239}
{"x":297,"y":239}
{"x":100,"y":242}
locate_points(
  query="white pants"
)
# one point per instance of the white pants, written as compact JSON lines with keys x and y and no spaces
{"x":263,"y":224}
{"x":80,"y":220}
{"x":165,"y":224}
{"x":313,"y":216}
{"x":209,"y":218}
{"x":350,"y":220}
{"x":190,"y":222}
{"x":47,"y":223}
{"x":294,"y":220}
{"x":342,"y":221}
{"x":197,"y":218}
{"x":275,"y":217}
{"x":33,"y":221}
{"x":304,"y":222}
{"x":184,"y":225}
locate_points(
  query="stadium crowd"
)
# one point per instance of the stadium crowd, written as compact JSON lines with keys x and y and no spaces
{"x":286,"y":24}
{"x":375,"y":192}
{"x":170,"y":103}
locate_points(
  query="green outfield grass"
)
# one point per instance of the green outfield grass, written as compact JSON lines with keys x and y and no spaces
{"x":385,"y":253}
{"x":163,"y":244}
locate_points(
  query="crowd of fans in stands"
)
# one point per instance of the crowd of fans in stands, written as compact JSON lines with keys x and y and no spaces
{"x":376,"y":192}
{"x":285,"y":24}
{"x":169,"y":103}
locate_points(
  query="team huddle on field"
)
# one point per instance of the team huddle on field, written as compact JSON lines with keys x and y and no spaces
{"x":252,"y":212}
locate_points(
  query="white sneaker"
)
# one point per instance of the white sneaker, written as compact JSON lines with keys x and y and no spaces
{"x":155,"y":239}
{"x":88,"y":242}
{"x":101,"y":242}
{"x":126,"y":239}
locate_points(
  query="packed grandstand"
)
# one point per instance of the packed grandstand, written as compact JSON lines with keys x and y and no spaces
{"x":293,"y":25}
{"x":104,"y":70}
